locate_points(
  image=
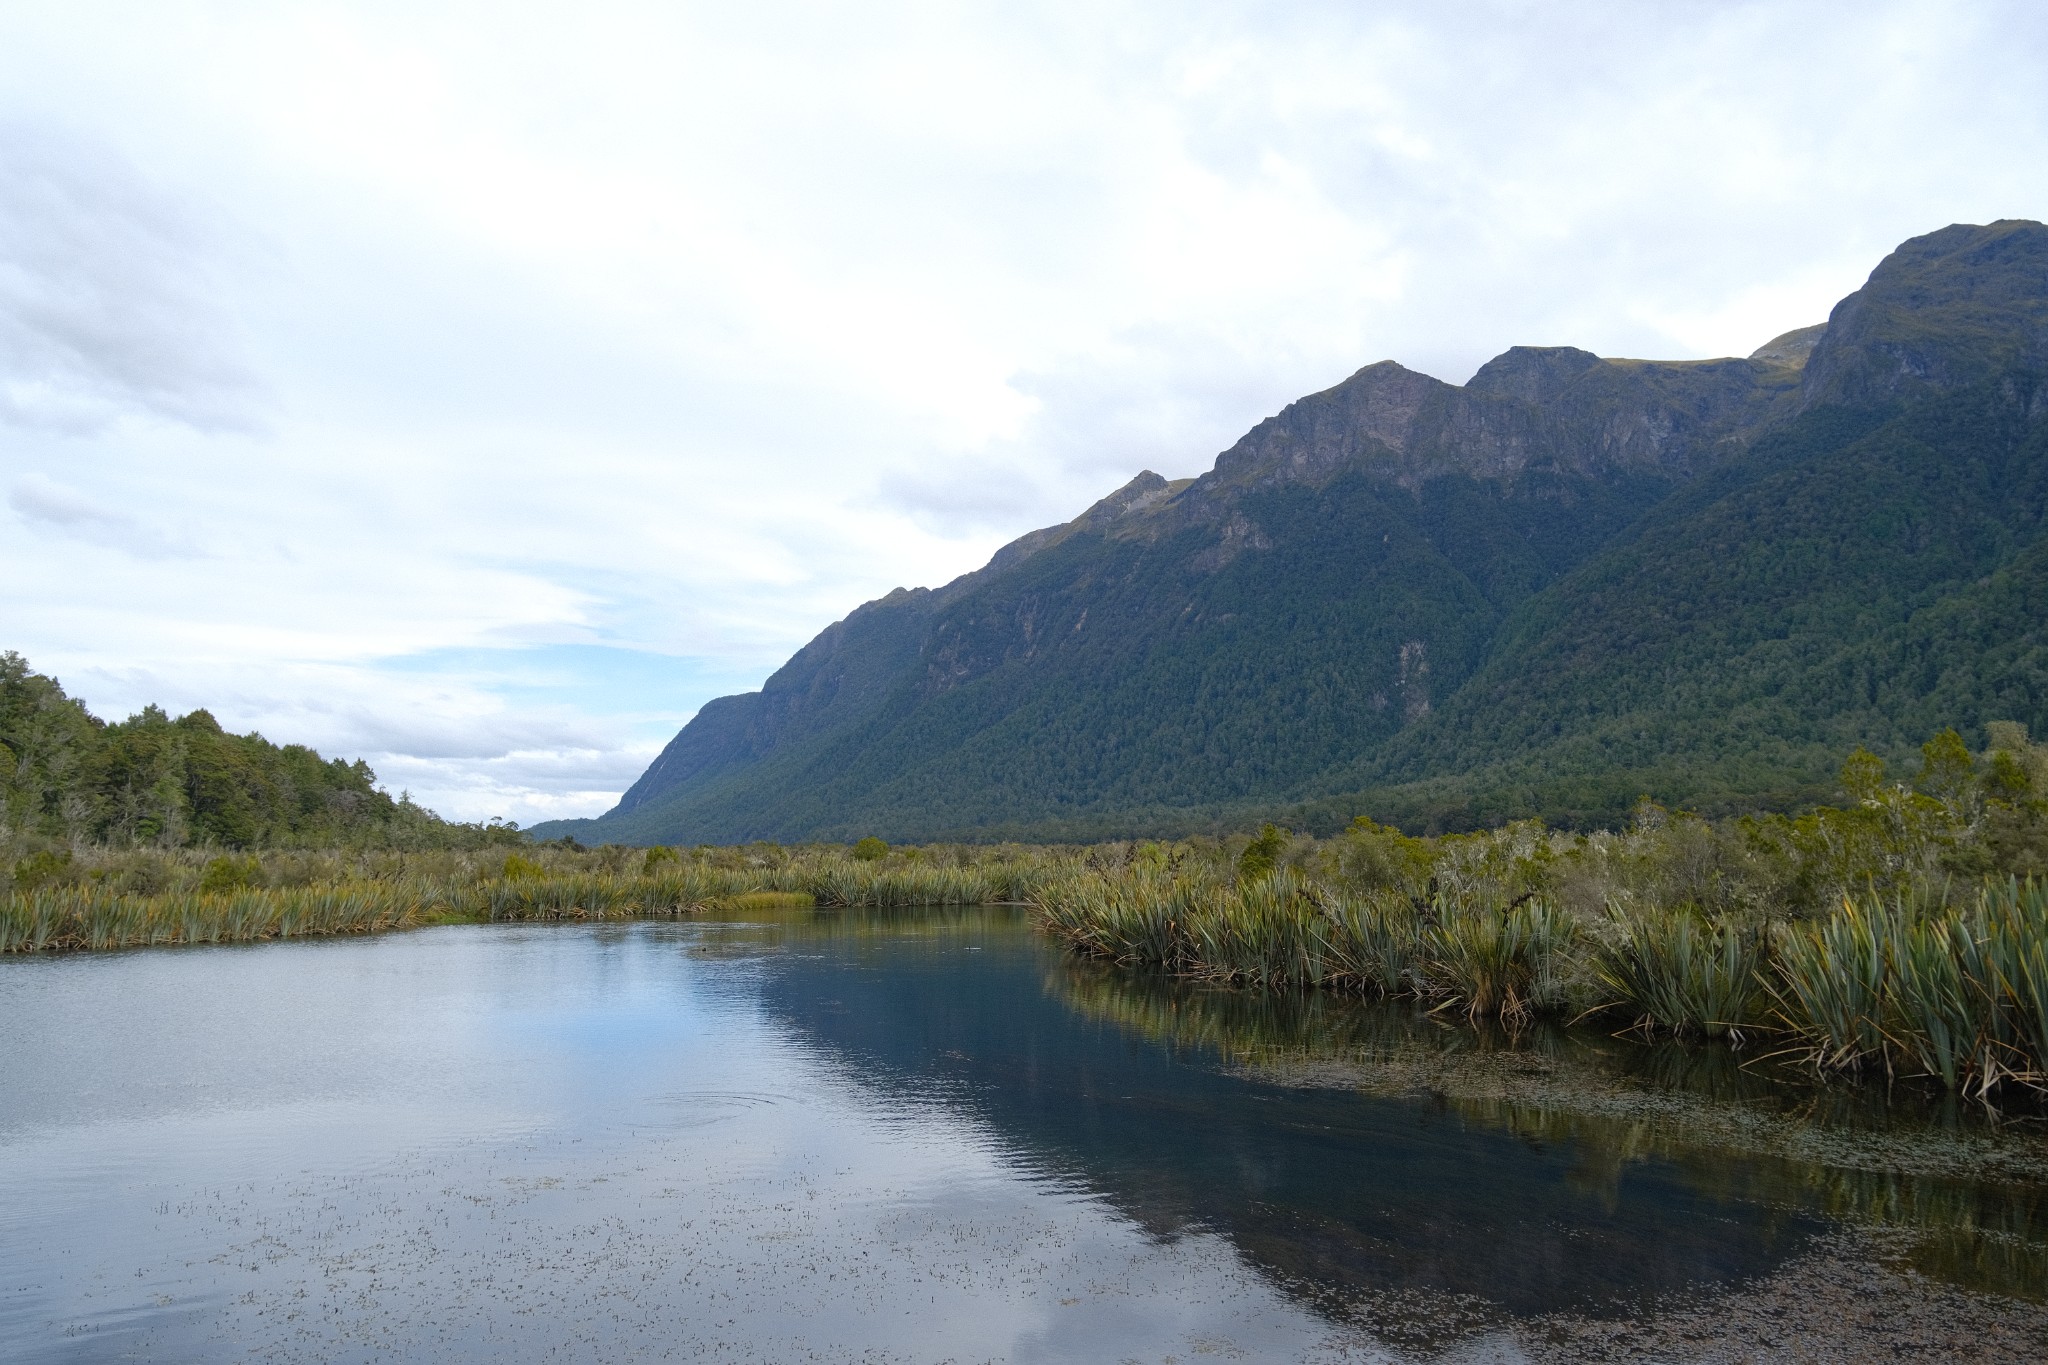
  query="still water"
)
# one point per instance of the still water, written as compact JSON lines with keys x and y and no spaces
{"x":929,"y":1136}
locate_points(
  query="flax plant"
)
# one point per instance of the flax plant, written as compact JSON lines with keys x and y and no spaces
{"x":1683,"y":975}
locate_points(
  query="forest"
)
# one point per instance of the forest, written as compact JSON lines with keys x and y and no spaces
{"x":152,"y":781}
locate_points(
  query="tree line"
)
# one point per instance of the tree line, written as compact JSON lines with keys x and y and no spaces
{"x":157,"y":781}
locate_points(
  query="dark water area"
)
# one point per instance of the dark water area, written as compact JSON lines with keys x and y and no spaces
{"x":930,"y":1136}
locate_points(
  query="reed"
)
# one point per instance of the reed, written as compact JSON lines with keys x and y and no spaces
{"x":1137,"y":916}
{"x":1279,"y":929}
{"x":1374,"y":942}
{"x":2015,"y":947}
{"x":1956,"y":994}
{"x":96,"y":918}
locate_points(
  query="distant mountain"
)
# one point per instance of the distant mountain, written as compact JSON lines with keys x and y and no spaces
{"x":1566,"y":583}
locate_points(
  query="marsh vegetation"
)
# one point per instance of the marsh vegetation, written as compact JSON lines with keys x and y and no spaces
{"x":96,"y":897}
{"x":1904,"y":933}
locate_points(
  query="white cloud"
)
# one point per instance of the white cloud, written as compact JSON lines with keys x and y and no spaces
{"x":618,"y":350}
{"x":39,"y":498}
{"x":105,"y":285}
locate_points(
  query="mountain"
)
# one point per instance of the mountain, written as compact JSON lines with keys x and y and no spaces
{"x":1566,"y":583}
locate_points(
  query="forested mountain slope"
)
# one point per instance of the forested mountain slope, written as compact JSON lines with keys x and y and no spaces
{"x":1563,"y":584}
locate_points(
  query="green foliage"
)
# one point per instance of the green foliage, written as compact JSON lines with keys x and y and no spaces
{"x":1862,"y":775}
{"x":1958,"y":993}
{"x":1946,"y":770}
{"x":517,"y":867}
{"x":229,"y":873}
{"x":1371,"y":857}
{"x":870,"y":848}
{"x":1680,"y":973}
{"x":42,"y":867}
{"x":1845,"y":933}
{"x":152,"y":781}
{"x":1509,"y":961}
{"x":1262,"y":854}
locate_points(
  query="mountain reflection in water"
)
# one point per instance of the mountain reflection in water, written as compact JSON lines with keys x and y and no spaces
{"x":1352,"y":1148}
{"x":930,"y":1135}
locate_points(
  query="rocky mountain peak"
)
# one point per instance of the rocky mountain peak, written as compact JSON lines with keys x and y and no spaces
{"x":1141,"y":492}
{"x":1373,"y":412}
{"x":1943,"y":311}
{"x":1534,"y":374}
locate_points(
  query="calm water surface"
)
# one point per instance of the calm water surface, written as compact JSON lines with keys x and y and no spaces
{"x":927,"y":1136}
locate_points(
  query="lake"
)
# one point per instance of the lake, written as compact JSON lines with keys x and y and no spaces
{"x":931,"y":1136}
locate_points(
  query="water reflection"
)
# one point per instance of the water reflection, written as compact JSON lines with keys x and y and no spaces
{"x":1142,"y":1088}
{"x":1970,"y":1184}
{"x":925,"y":1135}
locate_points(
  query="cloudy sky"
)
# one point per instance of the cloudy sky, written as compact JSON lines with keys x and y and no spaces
{"x":478,"y":388}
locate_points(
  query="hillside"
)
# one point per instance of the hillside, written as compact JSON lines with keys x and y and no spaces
{"x":66,"y":775}
{"x":1568,"y":582}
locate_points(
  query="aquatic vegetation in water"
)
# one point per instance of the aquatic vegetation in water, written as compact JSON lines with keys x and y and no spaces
{"x":1913,"y":986}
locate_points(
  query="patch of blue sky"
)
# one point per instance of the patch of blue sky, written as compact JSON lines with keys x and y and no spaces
{"x":640,"y":687}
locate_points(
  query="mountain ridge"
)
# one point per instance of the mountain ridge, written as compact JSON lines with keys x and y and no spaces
{"x":1298,"y":629}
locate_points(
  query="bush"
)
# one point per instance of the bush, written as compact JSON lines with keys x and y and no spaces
{"x":1262,"y":854}
{"x":229,"y":873}
{"x":520,"y":869}
{"x":42,"y":868}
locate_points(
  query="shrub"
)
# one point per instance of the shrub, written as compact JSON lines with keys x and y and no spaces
{"x":229,"y":873}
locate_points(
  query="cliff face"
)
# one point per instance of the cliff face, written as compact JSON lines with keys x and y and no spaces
{"x":1395,"y":586}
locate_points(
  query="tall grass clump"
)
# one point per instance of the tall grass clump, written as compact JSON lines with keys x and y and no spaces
{"x":1266,"y":931}
{"x":1509,"y":962}
{"x":1137,"y":916}
{"x":1375,"y":942}
{"x":1956,"y":994}
{"x":1677,"y":972}
{"x":2015,"y":946}
{"x":1279,"y":929}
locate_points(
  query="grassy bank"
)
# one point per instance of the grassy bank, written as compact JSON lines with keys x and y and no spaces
{"x":1955,"y":992}
{"x":1904,"y":933}
{"x":105,"y":898}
